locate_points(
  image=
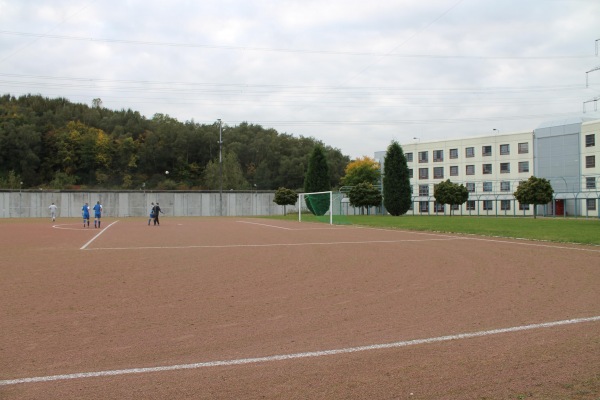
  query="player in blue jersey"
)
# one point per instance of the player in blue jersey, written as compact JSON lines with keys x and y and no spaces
{"x":151,"y":217}
{"x":97,"y":214}
{"x":85,"y":213}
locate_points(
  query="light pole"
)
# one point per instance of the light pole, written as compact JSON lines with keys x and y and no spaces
{"x":220,"y":167}
{"x":20,"y":197}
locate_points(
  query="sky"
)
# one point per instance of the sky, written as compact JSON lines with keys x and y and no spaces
{"x":353,"y":74}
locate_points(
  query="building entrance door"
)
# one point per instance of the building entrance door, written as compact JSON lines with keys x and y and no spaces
{"x":559,"y":207}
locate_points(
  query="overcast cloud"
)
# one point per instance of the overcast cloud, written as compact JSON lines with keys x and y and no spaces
{"x":354,"y":74}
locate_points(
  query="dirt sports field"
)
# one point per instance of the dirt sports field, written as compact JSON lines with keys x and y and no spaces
{"x":238,"y":308}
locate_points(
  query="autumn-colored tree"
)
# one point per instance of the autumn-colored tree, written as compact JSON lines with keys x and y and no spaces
{"x":363,"y":169}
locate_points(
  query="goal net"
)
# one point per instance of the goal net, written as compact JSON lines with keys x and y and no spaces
{"x":321,"y":207}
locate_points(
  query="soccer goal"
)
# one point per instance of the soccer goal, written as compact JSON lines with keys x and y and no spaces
{"x":321,"y":207}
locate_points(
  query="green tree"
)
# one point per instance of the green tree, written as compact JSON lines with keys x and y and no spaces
{"x":364,"y":195}
{"x":450,"y":193}
{"x":285,"y":197}
{"x":20,"y":144}
{"x":233,"y":177}
{"x":317,"y":180}
{"x":363,"y":169}
{"x":534,"y":191}
{"x":396,"y":182}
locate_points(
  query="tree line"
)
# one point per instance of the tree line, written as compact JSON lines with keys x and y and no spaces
{"x":58,"y":144}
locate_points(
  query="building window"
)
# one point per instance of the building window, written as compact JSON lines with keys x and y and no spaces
{"x":523,"y":207}
{"x":454,"y":170}
{"x":523,"y":148}
{"x":591,"y":204}
{"x":470,"y":187}
{"x":470,"y":170}
{"x":423,"y":173}
{"x":590,"y":183}
{"x":505,"y":186}
{"x":486,"y":151}
{"x":438,"y":155}
{"x":455,"y":207}
{"x":453,"y":153}
{"x":409,"y":157}
{"x":438,"y":173}
{"x":505,"y":168}
{"x":470,"y":205}
{"x":424,"y":206}
{"x":487,"y":186}
{"x":423,"y":157}
{"x":505,"y":205}
{"x":504,"y":149}
{"x":487,"y":205}
{"x":439,"y":208}
{"x":590,"y":140}
{"x":423,"y":190}
{"x":590,"y":161}
{"x":469,"y":152}
{"x":487,"y":169}
{"x":524,"y":166}
{"x":410,"y":173}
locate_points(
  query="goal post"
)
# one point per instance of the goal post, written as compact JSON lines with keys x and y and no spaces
{"x":319,"y":204}
{"x":328,"y":207}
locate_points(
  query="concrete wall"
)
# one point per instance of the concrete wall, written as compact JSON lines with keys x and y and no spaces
{"x":34,"y":203}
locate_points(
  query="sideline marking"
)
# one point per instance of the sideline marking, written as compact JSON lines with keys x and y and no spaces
{"x":227,"y":246}
{"x":508,"y":240}
{"x":529,"y":243}
{"x":293,"y":356}
{"x":98,"y":235}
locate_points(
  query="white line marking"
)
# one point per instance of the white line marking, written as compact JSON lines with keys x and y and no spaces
{"x":267,"y":225}
{"x":227,"y":246}
{"x":319,"y":227}
{"x":293,"y":356}
{"x":518,"y":241}
{"x":98,"y":235}
{"x":536,"y":244}
{"x":61,"y":226}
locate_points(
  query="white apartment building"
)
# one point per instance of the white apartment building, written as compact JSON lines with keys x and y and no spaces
{"x":492,"y":166}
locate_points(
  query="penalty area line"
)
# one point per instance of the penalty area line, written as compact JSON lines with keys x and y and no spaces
{"x":97,"y":236}
{"x":231,"y":246}
{"x":293,"y":356}
{"x":267,"y":225}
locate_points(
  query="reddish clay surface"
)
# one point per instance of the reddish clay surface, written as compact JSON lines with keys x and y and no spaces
{"x":208,"y":289}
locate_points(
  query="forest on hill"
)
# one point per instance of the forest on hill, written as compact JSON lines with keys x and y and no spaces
{"x":58,"y":144}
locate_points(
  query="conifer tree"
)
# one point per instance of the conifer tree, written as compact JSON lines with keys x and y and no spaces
{"x":396,"y":182}
{"x":317,"y":180}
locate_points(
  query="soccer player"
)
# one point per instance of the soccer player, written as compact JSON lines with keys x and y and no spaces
{"x":97,"y":214}
{"x":53,"y":209}
{"x":85,"y":212}
{"x":157,"y":211}
{"x":151,"y":213}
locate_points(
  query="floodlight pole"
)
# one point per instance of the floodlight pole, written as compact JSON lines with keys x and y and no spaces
{"x":220,"y":167}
